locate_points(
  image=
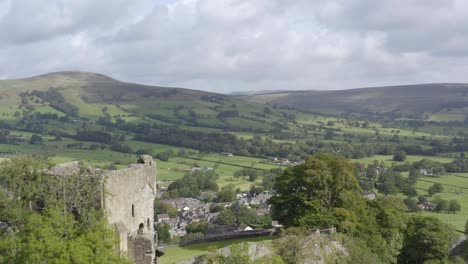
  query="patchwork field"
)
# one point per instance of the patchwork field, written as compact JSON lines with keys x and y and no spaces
{"x":455,"y":187}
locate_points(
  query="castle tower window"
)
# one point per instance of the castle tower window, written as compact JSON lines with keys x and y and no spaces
{"x":133,"y":210}
{"x":148,"y":223}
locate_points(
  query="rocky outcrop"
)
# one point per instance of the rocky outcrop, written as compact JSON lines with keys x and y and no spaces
{"x":312,"y":249}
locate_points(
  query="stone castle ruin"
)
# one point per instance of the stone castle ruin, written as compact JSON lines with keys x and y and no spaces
{"x":127,"y":197}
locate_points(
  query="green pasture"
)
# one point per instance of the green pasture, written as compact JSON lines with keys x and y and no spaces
{"x":94,"y":111}
{"x":388,"y":159}
{"x":455,"y":187}
{"x":174,"y":254}
{"x":224,"y":171}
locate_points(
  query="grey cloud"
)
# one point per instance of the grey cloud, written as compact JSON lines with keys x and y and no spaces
{"x":224,"y":45}
{"x":29,"y":21}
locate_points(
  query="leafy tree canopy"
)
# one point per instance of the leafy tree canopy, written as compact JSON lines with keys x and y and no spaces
{"x":314,"y":188}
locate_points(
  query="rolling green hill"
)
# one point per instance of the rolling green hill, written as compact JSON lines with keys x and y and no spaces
{"x":90,"y":96}
{"x":105,"y":122}
{"x":442,"y":102}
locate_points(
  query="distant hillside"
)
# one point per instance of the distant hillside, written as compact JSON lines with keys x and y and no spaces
{"x":94,"y":88}
{"x":92,"y":96}
{"x":434,"y":101}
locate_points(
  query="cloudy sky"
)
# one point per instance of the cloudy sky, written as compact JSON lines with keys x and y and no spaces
{"x":238,"y":45}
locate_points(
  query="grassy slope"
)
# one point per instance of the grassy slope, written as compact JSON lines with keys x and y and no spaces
{"x":175,"y":254}
{"x":442,"y":102}
{"x":455,"y":187}
{"x":92,"y":92}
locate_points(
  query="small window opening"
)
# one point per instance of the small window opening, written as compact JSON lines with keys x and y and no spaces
{"x":133,"y":210}
{"x":148,"y":223}
{"x":140,"y":229}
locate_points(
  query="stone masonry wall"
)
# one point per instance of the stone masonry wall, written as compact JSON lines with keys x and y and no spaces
{"x":128,"y":202}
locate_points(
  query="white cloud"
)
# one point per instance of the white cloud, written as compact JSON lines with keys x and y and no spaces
{"x":225,"y":45}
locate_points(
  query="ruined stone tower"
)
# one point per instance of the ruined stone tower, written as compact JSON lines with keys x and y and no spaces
{"x":128,"y":197}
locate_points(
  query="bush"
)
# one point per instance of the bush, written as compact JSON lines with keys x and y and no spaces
{"x":400,"y":155}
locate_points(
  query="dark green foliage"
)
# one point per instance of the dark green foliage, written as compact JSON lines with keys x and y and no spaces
{"x":116,"y":146}
{"x":461,"y":164}
{"x":359,"y":252}
{"x":163,"y":232}
{"x":161,"y":207}
{"x":390,"y":182}
{"x":413,"y":176}
{"x":400,"y":155}
{"x":466,"y":227}
{"x":454,"y":206}
{"x":426,"y":239}
{"x":442,"y":205}
{"x":226,"y":217}
{"x":250,"y":172}
{"x":216,"y":208}
{"x":94,"y":136}
{"x":437,"y":168}
{"x":35,"y":140}
{"x":409,"y":191}
{"x":306,"y":194}
{"x":291,"y":245}
{"x":57,"y":101}
{"x":50,"y":220}
{"x":192,"y":184}
{"x":412,"y":204}
{"x":228,"y":113}
{"x":245,"y":215}
{"x":436,"y":188}
{"x":378,"y":227}
{"x":165,"y":155}
{"x":196,"y":227}
{"x":268,"y":181}
{"x":226,"y":194}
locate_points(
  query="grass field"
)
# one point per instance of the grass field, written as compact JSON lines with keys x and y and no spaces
{"x":174,"y":254}
{"x":455,"y":187}
{"x":173,"y":169}
{"x":388,"y":159}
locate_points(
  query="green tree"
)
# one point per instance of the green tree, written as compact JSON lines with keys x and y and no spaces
{"x":442,"y":205}
{"x":306,"y":194}
{"x":246,"y":216}
{"x":413,"y":176}
{"x":400,"y":155}
{"x":226,"y":194}
{"x":163,"y":232}
{"x":226,"y":217}
{"x":197,"y":227}
{"x":35,"y":140}
{"x":454,"y":206}
{"x":438,"y":188}
{"x":290,"y":246}
{"x":161,"y":207}
{"x":165,"y":155}
{"x":412,"y":204}
{"x":426,"y":239}
{"x":51,"y":220}
{"x":409,"y":191}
